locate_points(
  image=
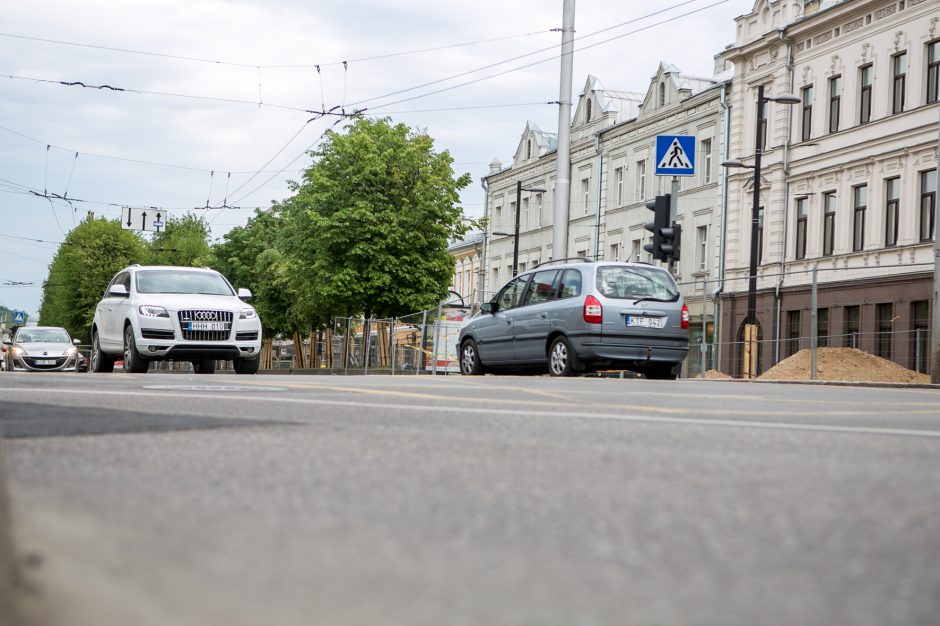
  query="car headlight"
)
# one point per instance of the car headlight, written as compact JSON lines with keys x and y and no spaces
{"x":149,"y":310}
{"x":70,"y":351}
{"x":18,"y":351}
{"x":247,"y":314}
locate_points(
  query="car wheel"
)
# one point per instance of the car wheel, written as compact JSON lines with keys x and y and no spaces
{"x":663,"y":371}
{"x":247,"y":366}
{"x":100,"y":362}
{"x":204,"y":366}
{"x":133,"y":362}
{"x":470,"y":359}
{"x":561,"y":358}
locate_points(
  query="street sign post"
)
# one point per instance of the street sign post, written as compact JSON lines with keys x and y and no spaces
{"x":675,"y":155}
{"x":19,"y":318}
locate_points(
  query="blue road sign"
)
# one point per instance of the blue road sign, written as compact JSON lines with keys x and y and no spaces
{"x":675,"y":155}
{"x":19,"y":318}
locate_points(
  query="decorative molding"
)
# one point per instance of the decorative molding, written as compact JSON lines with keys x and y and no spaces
{"x":835,"y":66}
{"x":891,"y":9}
{"x":800,"y":46}
{"x":806,"y":74}
{"x":820,"y":39}
{"x":933,"y":26}
{"x":897,"y":40}
{"x":853,"y":25}
{"x":866,"y":52}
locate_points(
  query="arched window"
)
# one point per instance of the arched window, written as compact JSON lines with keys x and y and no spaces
{"x":528,"y":149}
{"x":587,"y":117}
{"x":662,"y":95}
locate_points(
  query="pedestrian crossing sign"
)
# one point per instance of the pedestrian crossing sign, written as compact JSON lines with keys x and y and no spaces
{"x":675,"y":155}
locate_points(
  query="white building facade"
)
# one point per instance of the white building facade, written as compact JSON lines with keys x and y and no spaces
{"x":848,"y":177}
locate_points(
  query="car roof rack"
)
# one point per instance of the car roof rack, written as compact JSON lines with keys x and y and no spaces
{"x":565,"y":259}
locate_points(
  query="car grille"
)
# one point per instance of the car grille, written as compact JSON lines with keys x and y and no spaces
{"x":157,"y":333}
{"x":31,"y":362}
{"x":247,"y":335}
{"x":190,"y":316}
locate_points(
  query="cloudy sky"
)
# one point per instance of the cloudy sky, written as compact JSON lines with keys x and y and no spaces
{"x":216,"y":95}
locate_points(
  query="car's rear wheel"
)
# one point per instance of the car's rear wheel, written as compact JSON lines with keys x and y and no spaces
{"x":247,"y":366}
{"x":470,"y":364}
{"x":133,"y":362}
{"x":204,"y":366}
{"x":100,"y":362}
{"x":663,"y":371}
{"x":561,"y":358}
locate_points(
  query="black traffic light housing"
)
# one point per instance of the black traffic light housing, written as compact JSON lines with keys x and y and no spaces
{"x":671,"y":239}
{"x":660,"y":208}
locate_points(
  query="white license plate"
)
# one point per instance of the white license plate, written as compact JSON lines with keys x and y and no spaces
{"x":208,"y":326}
{"x":44,"y":361}
{"x":641,"y":321}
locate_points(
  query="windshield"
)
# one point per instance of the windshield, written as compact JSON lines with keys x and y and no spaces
{"x":174,"y":281}
{"x":43,"y":335}
{"x":636,"y":282}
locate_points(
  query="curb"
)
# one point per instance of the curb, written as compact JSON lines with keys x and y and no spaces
{"x":823,"y":383}
{"x":7,"y":563}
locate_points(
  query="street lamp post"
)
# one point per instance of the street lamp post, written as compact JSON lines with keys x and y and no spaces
{"x":750,"y":322}
{"x":515,"y":243}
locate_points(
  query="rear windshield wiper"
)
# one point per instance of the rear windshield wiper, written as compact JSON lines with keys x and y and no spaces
{"x":652,"y":299}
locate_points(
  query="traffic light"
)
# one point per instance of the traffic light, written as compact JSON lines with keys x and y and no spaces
{"x":671,"y":240}
{"x":660,"y":208}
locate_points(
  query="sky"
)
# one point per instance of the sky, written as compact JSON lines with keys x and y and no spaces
{"x":184,"y":104}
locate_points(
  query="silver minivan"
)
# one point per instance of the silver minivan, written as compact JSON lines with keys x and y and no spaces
{"x":577,"y":317}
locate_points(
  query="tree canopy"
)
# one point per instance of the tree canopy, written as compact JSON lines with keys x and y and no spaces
{"x":184,"y":242}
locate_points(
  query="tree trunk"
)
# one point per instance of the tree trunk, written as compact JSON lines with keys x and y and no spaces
{"x":298,"y":360}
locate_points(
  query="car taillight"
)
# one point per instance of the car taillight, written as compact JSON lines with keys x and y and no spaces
{"x":685,"y":316}
{"x":593,"y":312}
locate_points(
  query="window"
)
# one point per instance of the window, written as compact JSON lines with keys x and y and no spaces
{"x":615,"y":252}
{"x":899,"y":71}
{"x":640,"y":181}
{"x":807,"y":113}
{"x":618,"y":178}
{"x":920,"y":329}
{"x":511,"y":295}
{"x":853,"y":325}
{"x":933,"y":72}
{"x":859,"y":205}
{"x":635,"y":250}
{"x":701,"y":246}
{"x":586,"y":194}
{"x":928,"y":204}
{"x":884,"y":315}
{"x":822,"y":328}
{"x":662,"y":96}
{"x":760,"y":235}
{"x":528,"y":149}
{"x":829,"y":223}
{"x":538,"y":209}
{"x":802,"y":213}
{"x":835,"y":99}
{"x":707,"y":152}
{"x":498,"y":218}
{"x":588,"y":111}
{"x":540,"y":289}
{"x":763,"y":126}
{"x":892,"y":210}
{"x":864,"y":97}
{"x":793,"y":332}
{"x":570,"y":284}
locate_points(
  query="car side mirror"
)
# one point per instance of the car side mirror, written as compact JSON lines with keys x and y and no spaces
{"x":76,"y":342}
{"x":245,"y":294}
{"x":488,"y":307}
{"x":8,"y":343}
{"x":118,"y":290}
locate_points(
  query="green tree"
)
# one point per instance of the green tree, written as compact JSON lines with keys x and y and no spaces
{"x":183,"y":242}
{"x":367,"y":230}
{"x":84,"y":264}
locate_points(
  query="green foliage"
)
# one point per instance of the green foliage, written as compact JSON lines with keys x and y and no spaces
{"x":184,"y":242}
{"x":83,"y":266}
{"x":368,"y":228}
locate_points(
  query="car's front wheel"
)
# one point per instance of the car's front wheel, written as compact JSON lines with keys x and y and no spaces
{"x":133,"y":362}
{"x":247,"y":366}
{"x":100,"y":362}
{"x":204,"y":366}
{"x":561,"y":358}
{"x":470,"y":364}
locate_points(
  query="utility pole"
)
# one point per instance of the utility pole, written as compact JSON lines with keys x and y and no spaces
{"x":563,"y":158}
{"x":935,"y":313}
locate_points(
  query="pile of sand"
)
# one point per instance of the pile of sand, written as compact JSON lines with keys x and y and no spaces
{"x":847,"y":364}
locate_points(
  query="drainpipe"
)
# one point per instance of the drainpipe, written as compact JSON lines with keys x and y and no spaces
{"x":485,"y":261}
{"x":600,"y":185}
{"x":723,"y":203}
{"x":786,"y":201}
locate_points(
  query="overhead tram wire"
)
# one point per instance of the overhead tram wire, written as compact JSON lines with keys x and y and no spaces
{"x":534,"y":63}
{"x":262,"y":66}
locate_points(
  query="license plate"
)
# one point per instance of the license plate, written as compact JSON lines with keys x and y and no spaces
{"x":44,"y":361}
{"x":208,"y":326}
{"x":642,"y":321}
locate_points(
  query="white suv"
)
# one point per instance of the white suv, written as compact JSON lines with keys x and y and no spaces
{"x":157,"y":313}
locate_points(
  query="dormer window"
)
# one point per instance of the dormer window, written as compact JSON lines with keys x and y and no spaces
{"x":587,"y":114}
{"x":528,"y":149}
{"x":662,"y":95}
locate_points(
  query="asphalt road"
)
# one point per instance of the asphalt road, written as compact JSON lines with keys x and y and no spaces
{"x":288,"y":500}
